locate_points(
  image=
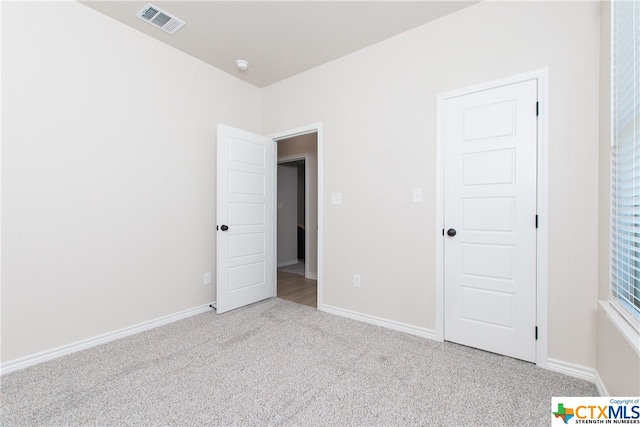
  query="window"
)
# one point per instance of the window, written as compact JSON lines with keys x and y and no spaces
{"x":625,"y":196}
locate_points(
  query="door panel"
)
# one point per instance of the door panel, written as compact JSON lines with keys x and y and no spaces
{"x":246,"y":245}
{"x":245,"y":204}
{"x":488,"y":214}
{"x":488,"y":121}
{"x":476,"y":172}
{"x":491,"y":307}
{"x":490,"y":146}
{"x":246,"y":275}
{"x":488,"y":260}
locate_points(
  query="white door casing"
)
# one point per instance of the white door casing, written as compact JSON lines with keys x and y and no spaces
{"x":245,"y":238}
{"x":489,"y":141}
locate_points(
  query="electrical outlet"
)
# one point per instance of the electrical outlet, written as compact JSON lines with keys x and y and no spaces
{"x":356,"y":281}
{"x":207,"y":279}
{"x":336,"y":198}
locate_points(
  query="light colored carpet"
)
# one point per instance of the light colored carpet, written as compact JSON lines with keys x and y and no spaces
{"x":294,"y":268}
{"x":280,"y":363}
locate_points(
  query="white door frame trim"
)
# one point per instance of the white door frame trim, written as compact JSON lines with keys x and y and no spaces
{"x":289,"y":159}
{"x":317,"y":128}
{"x":542,"y":240}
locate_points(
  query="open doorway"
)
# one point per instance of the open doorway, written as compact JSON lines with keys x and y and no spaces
{"x":297,"y":225}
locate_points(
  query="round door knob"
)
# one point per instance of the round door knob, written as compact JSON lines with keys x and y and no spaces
{"x":450,"y":232}
{"x":224,"y":228}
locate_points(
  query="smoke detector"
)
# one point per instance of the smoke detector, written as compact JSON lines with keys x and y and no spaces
{"x":159,"y":18}
{"x":242,"y":64}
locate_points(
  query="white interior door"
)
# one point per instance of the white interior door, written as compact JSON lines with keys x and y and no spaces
{"x":490,"y":145}
{"x":245,"y":270}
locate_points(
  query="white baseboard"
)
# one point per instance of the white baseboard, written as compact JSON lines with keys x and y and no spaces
{"x":312,"y":276}
{"x":571,"y":369}
{"x":390,"y":324}
{"x":34,"y":359}
{"x":602,"y":390}
{"x":285,"y":263}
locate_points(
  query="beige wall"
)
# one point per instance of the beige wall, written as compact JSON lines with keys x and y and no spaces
{"x":378,"y":112}
{"x":617,"y":360}
{"x":287,"y":206}
{"x":301,"y":194}
{"x":298,"y":146}
{"x":108,"y":175}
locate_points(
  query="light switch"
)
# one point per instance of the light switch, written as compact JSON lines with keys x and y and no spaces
{"x":336,"y":198}
{"x":417,"y":195}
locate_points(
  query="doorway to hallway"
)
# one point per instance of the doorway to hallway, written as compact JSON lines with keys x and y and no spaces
{"x":297,"y":219}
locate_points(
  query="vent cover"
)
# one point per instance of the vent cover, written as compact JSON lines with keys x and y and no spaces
{"x":159,"y":18}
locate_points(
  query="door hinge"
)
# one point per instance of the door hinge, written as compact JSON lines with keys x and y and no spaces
{"x":537,"y":108}
{"x":536,"y":221}
{"x":536,"y":333}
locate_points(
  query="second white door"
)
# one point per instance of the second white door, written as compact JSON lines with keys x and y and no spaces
{"x":490,"y":146}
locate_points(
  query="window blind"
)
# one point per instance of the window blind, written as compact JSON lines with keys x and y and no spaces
{"x":626,"y":154}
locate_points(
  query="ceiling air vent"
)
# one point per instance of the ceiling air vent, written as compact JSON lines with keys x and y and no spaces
{"x":159,"y":18}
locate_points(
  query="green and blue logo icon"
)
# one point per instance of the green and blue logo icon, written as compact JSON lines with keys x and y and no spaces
{"x":564,"y":413}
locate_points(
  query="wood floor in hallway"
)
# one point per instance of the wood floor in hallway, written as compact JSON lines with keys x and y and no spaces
{"x":297,"y":288}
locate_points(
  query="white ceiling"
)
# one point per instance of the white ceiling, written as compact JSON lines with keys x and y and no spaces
{"x":279,"y":38}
